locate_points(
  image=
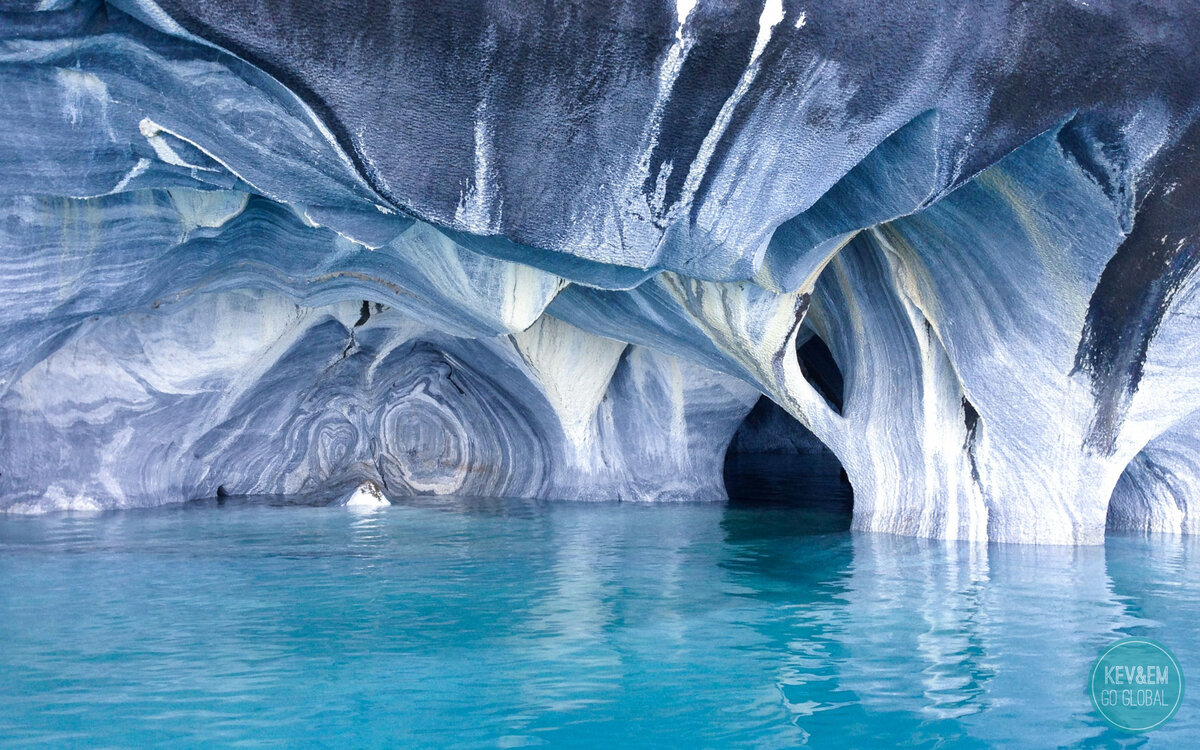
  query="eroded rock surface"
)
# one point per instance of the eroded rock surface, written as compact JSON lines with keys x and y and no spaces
{"x":500,"y":248}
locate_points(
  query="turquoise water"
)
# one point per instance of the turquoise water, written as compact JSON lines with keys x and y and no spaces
{"x":505,"y":624}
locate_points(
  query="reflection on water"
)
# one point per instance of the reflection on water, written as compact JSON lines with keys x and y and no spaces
{"x":514,"y":623}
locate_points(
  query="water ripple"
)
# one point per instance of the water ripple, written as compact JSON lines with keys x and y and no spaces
{"x":490,"y":622}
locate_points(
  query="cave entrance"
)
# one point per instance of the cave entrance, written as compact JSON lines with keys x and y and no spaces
{"x":774,"y":461}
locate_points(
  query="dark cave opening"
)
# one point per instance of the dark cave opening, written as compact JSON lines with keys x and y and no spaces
{"x":821,"y":371}
{"x":774,"y":461}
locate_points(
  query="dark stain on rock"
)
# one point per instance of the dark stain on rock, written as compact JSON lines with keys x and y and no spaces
{"x":1138,"y":284}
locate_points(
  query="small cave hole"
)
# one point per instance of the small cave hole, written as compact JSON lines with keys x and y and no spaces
{"x":1148,"y":497}
{"x":364,"y":314}
{"x":821,"y":371}
{"x":774,"y":461}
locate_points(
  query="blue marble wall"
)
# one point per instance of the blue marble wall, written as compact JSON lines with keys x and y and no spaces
{"x":272,"y":246}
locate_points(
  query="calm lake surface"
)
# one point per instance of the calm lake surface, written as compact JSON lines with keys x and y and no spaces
{"x":507,"y":624}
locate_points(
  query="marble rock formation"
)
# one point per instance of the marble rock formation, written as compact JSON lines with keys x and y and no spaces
{"x":362,"y":250}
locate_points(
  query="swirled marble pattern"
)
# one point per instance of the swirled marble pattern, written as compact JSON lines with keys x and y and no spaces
{"x":261,"y":397}
{"x":355,"y":250}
